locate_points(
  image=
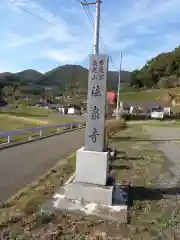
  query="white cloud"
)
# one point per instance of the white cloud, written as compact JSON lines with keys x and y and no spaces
{"x":123,"y":28}
{"x":66,"y":56}
{"x":58,"y":30}
{"x":131,"y":26}
{"x":139,"y":58}
{"x":3,"y":67}
{"x":15,"y":40}
{"x":145,"y":10}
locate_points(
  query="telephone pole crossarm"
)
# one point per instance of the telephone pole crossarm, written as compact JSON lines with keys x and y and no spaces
{"x":97,"y":24}
{"x":86,"y":3}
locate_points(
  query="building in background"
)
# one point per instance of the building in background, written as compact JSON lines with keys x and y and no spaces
{"x":111,"y":103}
{"x":111,"y":98}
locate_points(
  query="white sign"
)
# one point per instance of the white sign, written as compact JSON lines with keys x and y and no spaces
{"x":167,"y":110}
{"x":95,"y":130}
{"x":157,"y":114}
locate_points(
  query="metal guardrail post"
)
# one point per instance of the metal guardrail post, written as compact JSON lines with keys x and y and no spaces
{"x":40,"y":133}
{"x":29,"y":138}
{"x":9,"y":139}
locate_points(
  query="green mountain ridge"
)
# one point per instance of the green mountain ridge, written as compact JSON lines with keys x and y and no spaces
{"x":63,"y":76}
{"x":29,"y":75}
{"x":162,"y":71}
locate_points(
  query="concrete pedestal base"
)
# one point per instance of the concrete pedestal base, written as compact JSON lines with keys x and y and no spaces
{"x":89,"y":193}
{"x":92,"y":167}
{"x":114,"y":212}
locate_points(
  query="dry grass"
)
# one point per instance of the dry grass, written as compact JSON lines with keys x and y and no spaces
{"x":22,"y":210}
{"x":113,"y":126}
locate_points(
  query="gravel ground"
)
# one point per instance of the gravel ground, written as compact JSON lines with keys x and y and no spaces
{"x":171,"y":150}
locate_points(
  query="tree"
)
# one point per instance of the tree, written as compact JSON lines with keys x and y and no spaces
{"x":162,"y":71}
{"x":11,"y":91}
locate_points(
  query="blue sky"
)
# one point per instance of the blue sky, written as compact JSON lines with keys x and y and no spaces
{"x":139,"y":28}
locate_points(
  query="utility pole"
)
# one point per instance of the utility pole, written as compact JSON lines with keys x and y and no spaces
{"x":118,"y":113}
{"x":97,"y":25}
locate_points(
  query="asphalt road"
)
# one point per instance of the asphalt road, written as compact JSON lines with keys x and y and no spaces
{"x":23,"y":164}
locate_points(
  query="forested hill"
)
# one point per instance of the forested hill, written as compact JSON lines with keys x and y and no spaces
{"x":162,"y":71}
{"x":61,"y":77}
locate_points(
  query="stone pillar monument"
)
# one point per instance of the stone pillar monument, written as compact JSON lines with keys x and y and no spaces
{"x":95,"y":131}
{"x":92,"y":165}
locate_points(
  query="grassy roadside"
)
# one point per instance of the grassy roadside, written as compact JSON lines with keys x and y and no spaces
{"x":157,"y":123}
{"x":152,"y":214}
{"x":20,"y":214}
{"x":138,"y":162}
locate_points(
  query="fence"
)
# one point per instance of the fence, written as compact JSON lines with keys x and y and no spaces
{"x":36,"y":132}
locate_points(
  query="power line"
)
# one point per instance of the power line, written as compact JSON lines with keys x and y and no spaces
{"x":91,"y":15}
{"x":86,"y":9}
{"x":91,"y":19}
{"x":33,"y":14}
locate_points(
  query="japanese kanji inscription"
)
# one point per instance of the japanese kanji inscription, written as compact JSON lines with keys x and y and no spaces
{"x":94,"y":140}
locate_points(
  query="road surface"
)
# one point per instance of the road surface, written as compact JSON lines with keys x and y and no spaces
{"x":23,"y":164}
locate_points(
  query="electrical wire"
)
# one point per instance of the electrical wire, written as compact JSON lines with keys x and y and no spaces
{"x":33,"y":14}
{"x":92,"y":22}
{"x":91,"y":19}
{"x":86,"y":9}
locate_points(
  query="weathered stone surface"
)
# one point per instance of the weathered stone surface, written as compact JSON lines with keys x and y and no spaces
{"x":94,"y":138}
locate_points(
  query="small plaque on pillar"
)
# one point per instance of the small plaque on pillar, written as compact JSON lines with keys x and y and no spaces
{"x":94,"y":139}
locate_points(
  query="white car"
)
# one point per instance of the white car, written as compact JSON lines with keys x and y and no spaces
{"x":157,"y":113}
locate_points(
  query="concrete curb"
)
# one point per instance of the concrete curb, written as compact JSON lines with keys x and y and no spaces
{"x":2,"y":147}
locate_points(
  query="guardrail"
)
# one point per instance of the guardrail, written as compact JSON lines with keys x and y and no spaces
{"x":40,"y":132}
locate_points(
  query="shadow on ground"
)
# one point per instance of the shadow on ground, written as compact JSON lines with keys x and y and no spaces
{"x":120,"y":167}
{"x":128,"y":158}
{"x":144,"y":193}
{"x":121,"y":156}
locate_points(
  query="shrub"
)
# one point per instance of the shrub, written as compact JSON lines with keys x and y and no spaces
{"x":114,"y":125}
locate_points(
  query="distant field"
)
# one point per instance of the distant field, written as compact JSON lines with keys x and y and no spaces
{"x":16,"y":118}
{"x":27,"y":111}
{"x":152,"y":94}
{"x":11,"y":123}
